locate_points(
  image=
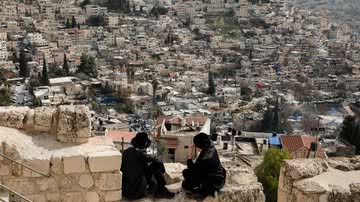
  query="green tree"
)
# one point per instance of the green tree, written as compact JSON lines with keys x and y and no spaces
{"x":96,"y":21}
{"x":37,"y":102}
{"x":44,"y":76}
{"x":212,"y":87}
{"x":66,"y":65}
{"x":5,"y":97}
{"x":88,"y":66}
{"x":67,"y":24}
{"x":350,"y":131}
{"x":155,"y":85}
{"x":24,"y":71}
{"x":73,"y":22}
{"x":268,"y":172}
{"x":85,"y":3}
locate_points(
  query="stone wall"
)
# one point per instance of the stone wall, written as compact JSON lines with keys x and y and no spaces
{"x":67,"y":122}
{"x":89,"y":171}
{"x":335,"y":179}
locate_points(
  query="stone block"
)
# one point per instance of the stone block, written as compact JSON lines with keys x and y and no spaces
{"x":68,"y":183}
{"x":13,"y":117}
{"x":112,"y":196}
{"x":74,"y":164}
{"x":104,"y":161}
{"x":21,"y":185}
{"x":57,"y":166}
{"x":4,"y":170}
{"x":53,"y":197}
{"x":109,"y":182}
{"x":86,"y":181}
{"x":71,"y":197}
{"x":47,"y":184}
{"x":73,"y":124}
{"x":92,"y":197}
{"x":36,"y":197}
{"x":43,"y":119}
{"x":40,"y":165}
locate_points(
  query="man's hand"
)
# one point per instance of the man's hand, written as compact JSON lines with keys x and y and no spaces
{"x":191,"y":151}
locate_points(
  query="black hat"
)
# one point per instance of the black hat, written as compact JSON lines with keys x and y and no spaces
{"x":202,"y":141}
{"x":141,"y":141}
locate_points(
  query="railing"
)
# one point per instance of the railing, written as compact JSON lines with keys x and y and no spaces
{"x":25,"y":166}
{"x":13,"y":195}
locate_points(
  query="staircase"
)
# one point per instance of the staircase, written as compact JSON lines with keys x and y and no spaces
{"x":9,"y":195}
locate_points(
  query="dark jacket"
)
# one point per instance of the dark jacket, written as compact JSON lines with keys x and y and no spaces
{"x":208,"y":169}
{"x":134,"y":168}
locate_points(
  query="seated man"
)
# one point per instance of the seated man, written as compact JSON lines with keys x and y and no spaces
{"x":142,"y":174}
{"x":206,"y":175}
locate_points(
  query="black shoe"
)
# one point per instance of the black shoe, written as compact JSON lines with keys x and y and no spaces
{"x":164,"y":193}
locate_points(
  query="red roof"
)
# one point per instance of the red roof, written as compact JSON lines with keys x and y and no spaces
{"x":117,"y":135}
{"x":297,"y":144}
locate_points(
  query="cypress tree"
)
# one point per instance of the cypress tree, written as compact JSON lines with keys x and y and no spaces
{"x":67,"y":24}
{"x":23,"y":64}
{"x":212,"y":88}
{"x":73,"y":22}
{"x":45,"y":77}
{"x":65,"y":65}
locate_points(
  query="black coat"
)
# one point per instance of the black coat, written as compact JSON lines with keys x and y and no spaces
{"x":207,"y":170}
{"x":134,"y":169}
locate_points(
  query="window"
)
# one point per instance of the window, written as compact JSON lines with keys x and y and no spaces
{"x":186,"y":147}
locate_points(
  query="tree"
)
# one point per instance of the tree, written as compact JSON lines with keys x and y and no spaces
{"x":37,"y":102}
{"x":66,"y":65}
{"x":67,"y":24}
{"x":5,"y":96}
{"x":96,"y":21}
{"x":87,"y":66}
{"x":350,"y":131}
{"x":85,"y":3}
{"x":212,"y":87}
{"x":154,"y":84}
{"x":268,"y":172}
{"x":73,"y":22}
{"x":24,"y":71}
{"x":44,"y":76}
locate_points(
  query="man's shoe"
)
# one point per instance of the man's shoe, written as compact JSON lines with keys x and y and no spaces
{"x":164,"y":193}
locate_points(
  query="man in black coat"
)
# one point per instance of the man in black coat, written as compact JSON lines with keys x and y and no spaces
{"x":206,"y":175}
{"x":142,"y":173}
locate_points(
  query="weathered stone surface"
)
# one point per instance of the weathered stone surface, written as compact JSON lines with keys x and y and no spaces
{"x":57,"y":166}
{"x":174,"y":172}
{"x":44,"y":119}
{"x":326,"y":180}
{"x":13,"y":117}
{"x":47,"y":184}
{"x":21,"y":185}
{"x":109,"y":182}
{"x":74,"y":164}
{"x":73,"y":124}
{"x":53,"y":197}
{"x":67,"y":183}
{"x":92,"y":197}
{"x":71,"y":197}
{"x":86,"y":181}
{"x":4,"y":170}
{"x":104,"y":161}
{"x":40,"y":165}
{"x":112,"y":196}
{"x":37,"y":197}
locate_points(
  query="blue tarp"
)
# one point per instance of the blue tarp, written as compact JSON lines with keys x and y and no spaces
{"x":274,"y":140}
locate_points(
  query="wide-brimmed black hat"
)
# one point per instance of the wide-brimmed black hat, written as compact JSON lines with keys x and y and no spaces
{"x":141,"y":141}
{"x":202,"y":141}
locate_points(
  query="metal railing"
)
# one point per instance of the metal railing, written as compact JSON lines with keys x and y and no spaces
{"x":13,"y":195}
{"x":25,"y":166}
